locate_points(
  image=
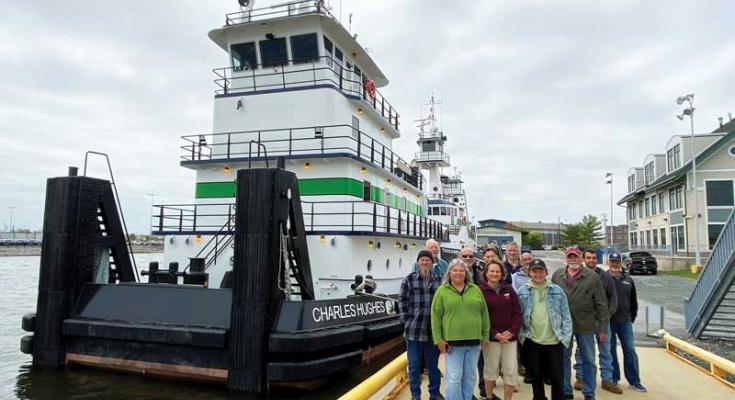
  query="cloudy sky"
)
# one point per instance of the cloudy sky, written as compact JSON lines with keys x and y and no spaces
{"x":540,"y":98}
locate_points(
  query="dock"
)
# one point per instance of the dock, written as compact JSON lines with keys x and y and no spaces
{"x":665,"y":375}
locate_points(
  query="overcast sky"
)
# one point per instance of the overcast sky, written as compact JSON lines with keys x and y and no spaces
{"x":540,"y":98}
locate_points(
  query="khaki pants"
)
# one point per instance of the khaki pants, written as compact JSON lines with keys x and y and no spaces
{"x":505,"y":355}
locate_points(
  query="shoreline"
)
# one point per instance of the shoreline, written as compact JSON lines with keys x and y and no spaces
{"x":23,"y":251}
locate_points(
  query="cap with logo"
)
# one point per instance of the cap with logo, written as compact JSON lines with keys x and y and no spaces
{"x":537,"y":264}
{"x":614,"y":257}
{"x":572,"y":250}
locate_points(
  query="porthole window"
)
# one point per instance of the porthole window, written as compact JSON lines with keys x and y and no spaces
{"x":732,"y":151}
{"x":369,"y":265}
{"x":387,"y":263}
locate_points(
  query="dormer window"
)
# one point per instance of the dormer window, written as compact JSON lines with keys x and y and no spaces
{"x":631,"y":183}
{"x":243,"y":56}
{"x":673,"y":158}
{"x":649,"y":173}
{"x":273,"y":52}
{"x":304,"y":48}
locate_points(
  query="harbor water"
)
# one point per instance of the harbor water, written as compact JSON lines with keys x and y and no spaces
{"x":18,"y":291}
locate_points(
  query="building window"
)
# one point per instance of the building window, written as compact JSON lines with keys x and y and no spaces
{"x":661,"y":202}
{"x":653,"y":205}
{"x":655,"y":238}
{"x":243,"y":56}
{"x":640,"y":210}
{"x":663,"y":237}
{"x":675,"y":202}
{"x":673,"y":158}
{"x":649,"y":173}
{"x":304,"y":48}
{"x":713,"y":232}
{"x":631,"y":183}
{"x":648,"y":206}
{"x":719,"y":193}
{"x":648,"y":238}
{"x":677,"y":237}
{"x":273,"y":52}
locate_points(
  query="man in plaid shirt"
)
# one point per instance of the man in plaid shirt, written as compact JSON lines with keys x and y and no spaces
{"x":417,"y":291}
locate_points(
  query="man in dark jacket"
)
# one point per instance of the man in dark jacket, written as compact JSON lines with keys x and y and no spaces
{"x":588,"y":307}
{"x":603,"y":346}
{"x":621,"y":324}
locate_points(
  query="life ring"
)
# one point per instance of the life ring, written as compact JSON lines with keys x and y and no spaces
{"x":370,"y":88}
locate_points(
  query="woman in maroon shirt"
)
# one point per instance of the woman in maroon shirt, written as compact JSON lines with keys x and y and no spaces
{"x":505,"y":323}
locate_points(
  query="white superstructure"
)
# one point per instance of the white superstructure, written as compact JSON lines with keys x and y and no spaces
{"x":447,"y":200}
{"x":300,"y":87}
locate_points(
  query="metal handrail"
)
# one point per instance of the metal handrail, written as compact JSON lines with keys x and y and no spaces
{"x":711,"y":279}
{"x":119,"y":206}
{"x":354,"y":216}
{"x":299,"y":141}
{"x":314,"y":71}
{"x":288,"y":9}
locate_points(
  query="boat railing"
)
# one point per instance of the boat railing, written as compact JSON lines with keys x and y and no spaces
{"x":311,"y":72}
{"x":322,"y":217}
{"x":429,"y":156}
{"x":287,"y":9}
{"x":317,"y":140}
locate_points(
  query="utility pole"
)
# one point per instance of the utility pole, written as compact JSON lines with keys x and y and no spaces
{"x":12,"y":229}
{"x":690,"y":113}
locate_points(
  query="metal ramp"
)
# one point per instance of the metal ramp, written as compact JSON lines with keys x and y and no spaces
{"x":710,"y":309}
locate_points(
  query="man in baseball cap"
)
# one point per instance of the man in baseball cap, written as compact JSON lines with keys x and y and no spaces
{"x":590,"y":317}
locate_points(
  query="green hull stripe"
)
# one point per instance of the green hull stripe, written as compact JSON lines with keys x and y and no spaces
{"x":317,"y":187}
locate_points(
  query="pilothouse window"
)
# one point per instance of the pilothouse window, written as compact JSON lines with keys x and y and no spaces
{"x":273,"y":52}
{"x":243,"y":56}
{"x":304,"y":48}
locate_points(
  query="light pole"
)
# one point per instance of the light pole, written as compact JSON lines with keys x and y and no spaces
{"x":150,"y":218}
{"x":689,"y":111}
{"x":609,"y":181}
{"x":12,"y":211}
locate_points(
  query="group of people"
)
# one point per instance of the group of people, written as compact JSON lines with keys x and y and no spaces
{"x":505,"y":318}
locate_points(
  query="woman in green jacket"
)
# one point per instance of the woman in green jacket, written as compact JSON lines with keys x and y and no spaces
{"x":459,"y":327}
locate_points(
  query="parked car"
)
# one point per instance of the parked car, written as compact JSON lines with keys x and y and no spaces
{"x":640,"y":261}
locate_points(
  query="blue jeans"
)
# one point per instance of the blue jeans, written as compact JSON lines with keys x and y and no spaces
{"x":461,"y":370}
{"x":423,"y":349}
{"x":586,"y":345}
{"x":624,"y":332}
{"x":606,"y":368}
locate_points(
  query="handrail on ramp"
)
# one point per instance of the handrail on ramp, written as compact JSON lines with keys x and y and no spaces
{"x":395,"y":369}
{"x":718,"y":367}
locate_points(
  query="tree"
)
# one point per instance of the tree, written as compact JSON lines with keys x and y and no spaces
{"x":533,"y":239}
{"x":584,"y":234}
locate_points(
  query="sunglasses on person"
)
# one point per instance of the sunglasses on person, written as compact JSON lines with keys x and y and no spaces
{"x":469,"y":256}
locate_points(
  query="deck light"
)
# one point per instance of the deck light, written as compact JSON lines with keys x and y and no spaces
{"x":404,"y":190}
{"x":413,"y":245}
{"x":226,"y":169}
{"x":363,"y":171}
{"x":307,"y":166}
{"x":370,"y":244}
{"x":382,"y":130}
{"x":359,"y":111}
{"x":397,"y":245}
{"x":388,"y":181}
{"x":198,"y":239}
{"x":333,"y":241}
{"x":322,"y":239}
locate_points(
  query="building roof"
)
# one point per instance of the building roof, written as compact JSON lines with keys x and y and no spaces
{"x":497,"y":223}
{"x":684,"y":169}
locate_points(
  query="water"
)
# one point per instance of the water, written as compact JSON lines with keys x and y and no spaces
{"x":18,"y":288}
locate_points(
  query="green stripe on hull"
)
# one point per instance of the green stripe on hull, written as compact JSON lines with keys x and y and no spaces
{"x":317,"y":187}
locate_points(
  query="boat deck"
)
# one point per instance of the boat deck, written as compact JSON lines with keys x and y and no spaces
{"x":666,"y":378}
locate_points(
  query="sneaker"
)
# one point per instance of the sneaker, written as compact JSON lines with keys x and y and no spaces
{"x":640,"y":388}
{"x":589,"y":397}
{"x":527,"y":379}
{"x":611,"y":387}
{"x":578,"y":384}
{"x":568,"y":396}
{"x":439,"y":397}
